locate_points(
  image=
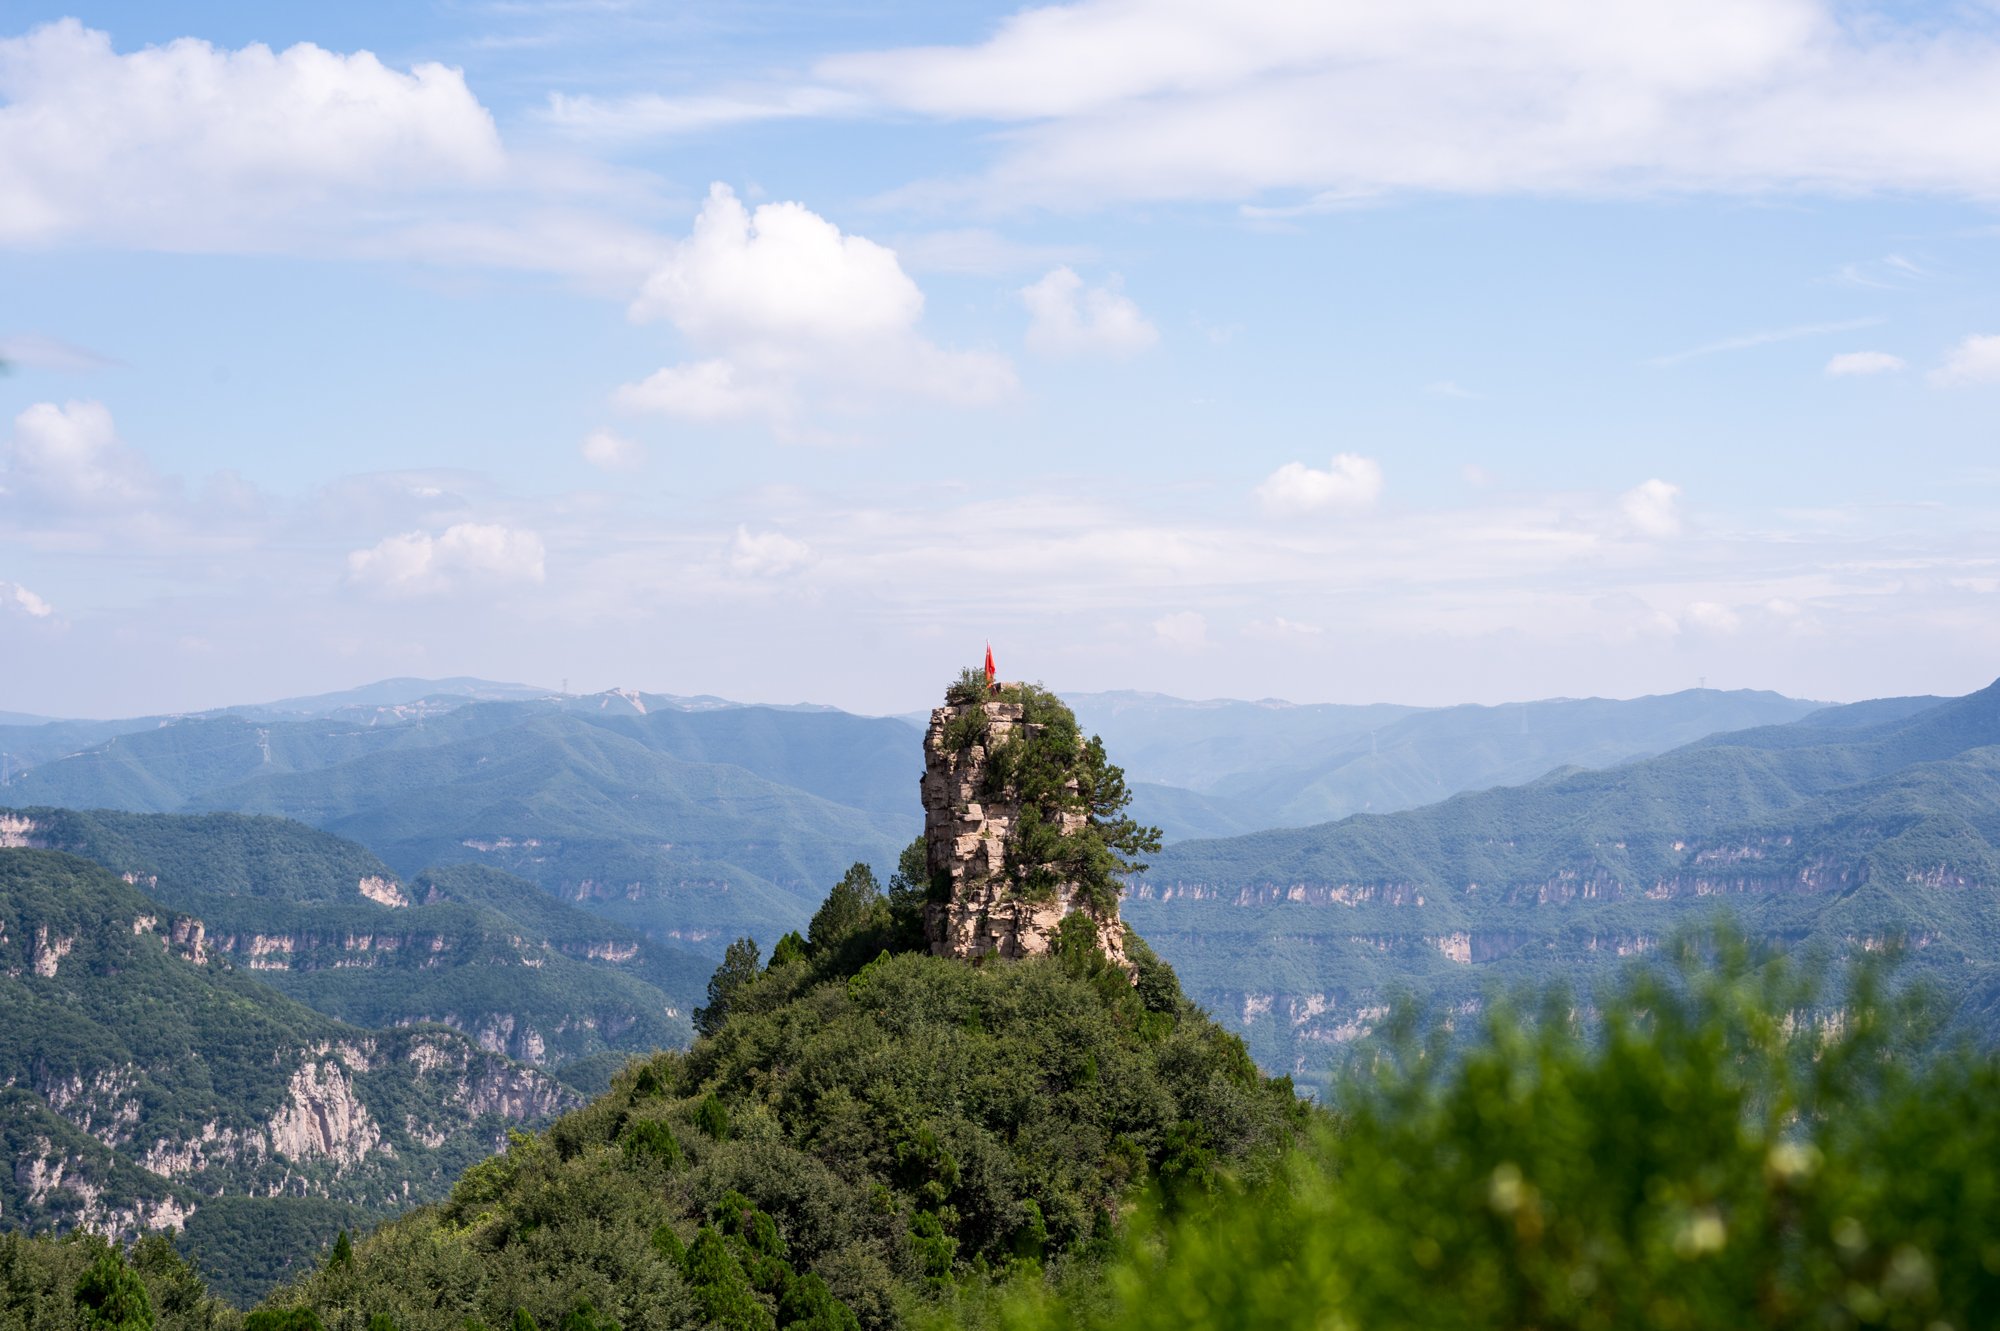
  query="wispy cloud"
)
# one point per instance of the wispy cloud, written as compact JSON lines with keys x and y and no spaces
{"x":1745,"y":341}
{"x":48,"y":353}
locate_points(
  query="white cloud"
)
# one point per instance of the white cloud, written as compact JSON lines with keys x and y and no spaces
{"x":766,"y":554}
{"x":1342,"y":101}
{"x":189,"y":145}
{"x":1849,"y":363}
{"x":792,"y":313}
{"x":1067,"y":320}
{"x":1447,"y":388}
{"x":1763,"y":338}
{"x":650,"y":115}
{"x":1653,"y":507}
{"x":417,"y":563}
{"x":1976,"y":360}
{"x":1713,"y":618}
{"x":1279,"y":629}
{"x":29,"y":603}
{"x":1351,"y":484}
{"x":612,"y":452}
{"x":70,"y":457}
{"x":1187,"y":631}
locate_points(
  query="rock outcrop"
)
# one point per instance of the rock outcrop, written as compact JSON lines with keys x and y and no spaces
{"x":980,"y":905}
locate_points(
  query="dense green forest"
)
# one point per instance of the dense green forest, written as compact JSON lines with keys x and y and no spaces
{"x":866,"y":1125}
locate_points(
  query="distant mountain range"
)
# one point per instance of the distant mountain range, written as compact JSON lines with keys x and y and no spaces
{"x":1847,"y":829}
{"x":683,"y":822}
{"x":690,"y":823}
{"x":1222,"y":767}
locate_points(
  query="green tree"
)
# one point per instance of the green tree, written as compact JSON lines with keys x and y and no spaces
{"x":738,"y":968}
{"x":712,"y":1117}
{"x":111,"y":1296}
{"x":854,"y":906}
{"x":720,"y":1287}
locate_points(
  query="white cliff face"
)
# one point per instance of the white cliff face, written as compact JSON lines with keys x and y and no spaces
{"x":46,"y":953}
{"x":41,"y":1170}
{"x":321,"y":1117}
{"x":213,"y":1146}
{"x":16,"y":832}
{"x":383,"y":891}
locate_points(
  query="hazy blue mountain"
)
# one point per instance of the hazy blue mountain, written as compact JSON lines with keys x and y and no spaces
{"x":27,"y":745}
{"x":687,"y":825}
{"x":1177,"y":742}
{"x":1246,"y":766}
{"x":1847,"y":828}
{"x":24,"y":719}
{"x":393,"y":692}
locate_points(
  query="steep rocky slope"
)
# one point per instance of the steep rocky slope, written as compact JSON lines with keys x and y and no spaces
{"x":325,"y":921}
{"x":145,"y":1073}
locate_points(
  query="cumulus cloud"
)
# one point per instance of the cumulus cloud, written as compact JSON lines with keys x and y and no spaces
{"x":417,"y":563}
{"x":612,"y":452}
{"x":1713,"y":617}
{"x":1186,"y":631}
{"x":1849,"y":363}
{"x":1976,"y":360}
{"x":1351,"y":484}
{"x":1340,"y":102}
{"x":189,"y":145}
{"x":767,"y":554}
{"x":70,"y":457}
{"x":14,"y":596}
{"x":787,"y":310}
{"x":1653,"y":508}
{"x":1068,"y":319}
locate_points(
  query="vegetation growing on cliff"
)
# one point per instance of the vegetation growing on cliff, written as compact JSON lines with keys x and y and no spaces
{"x":1054,"y":776}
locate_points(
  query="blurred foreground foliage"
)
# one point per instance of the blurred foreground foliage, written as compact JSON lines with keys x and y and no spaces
{"x":1715,"y":1143}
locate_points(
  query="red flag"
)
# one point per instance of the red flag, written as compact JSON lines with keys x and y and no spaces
{"x":991,"y":673}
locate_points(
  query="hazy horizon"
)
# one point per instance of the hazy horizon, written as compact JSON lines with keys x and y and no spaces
{"x":914,"y":705}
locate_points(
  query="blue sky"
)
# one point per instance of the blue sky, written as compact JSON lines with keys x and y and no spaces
{"x":1425,"y":353}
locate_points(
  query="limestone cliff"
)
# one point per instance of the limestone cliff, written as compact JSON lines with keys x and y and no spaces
{"x":992,"y":892}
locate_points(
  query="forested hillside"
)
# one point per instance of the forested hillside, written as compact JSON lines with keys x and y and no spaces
{"x":146,"y":1075}
{"x":1844,"y":830}
{"x":325,"y":921}
{"x":864,"y":1128}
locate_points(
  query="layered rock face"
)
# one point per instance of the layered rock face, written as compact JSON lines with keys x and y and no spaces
{"x":968,"y":831}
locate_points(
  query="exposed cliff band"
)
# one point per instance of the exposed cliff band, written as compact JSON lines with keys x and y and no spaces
{"x":1024,"y":826}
